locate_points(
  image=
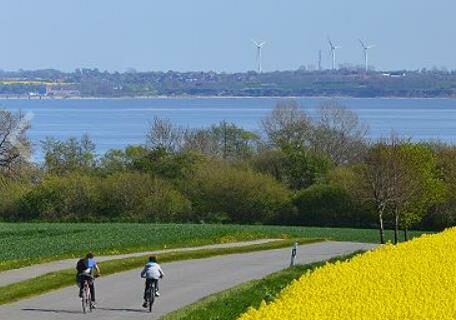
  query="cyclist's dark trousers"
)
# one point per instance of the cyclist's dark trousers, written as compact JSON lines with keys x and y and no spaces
{"x":91,"y":286}
{"x":148,"y":285}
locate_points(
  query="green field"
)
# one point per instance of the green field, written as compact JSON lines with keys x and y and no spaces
{"x":27,"y":243}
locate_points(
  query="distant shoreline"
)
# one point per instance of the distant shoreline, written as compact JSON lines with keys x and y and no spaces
{"x":188,"y":97}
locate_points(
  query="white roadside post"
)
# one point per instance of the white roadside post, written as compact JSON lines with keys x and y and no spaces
{"x":293,"y":254}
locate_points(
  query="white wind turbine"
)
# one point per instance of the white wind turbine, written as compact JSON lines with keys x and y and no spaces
{"x":259,"y":56}
{"x":333,"y":53}
{"x":366,"y":49}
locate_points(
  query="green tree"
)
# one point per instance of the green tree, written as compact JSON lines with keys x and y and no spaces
{"x":399,"y":178}
{"x":304,"y":167}
{"x":273,"y":162}
{"x":62,"y":157}
{"x":296,"y":167}
{"x":444,"y":214}
{"x":417,"y":185}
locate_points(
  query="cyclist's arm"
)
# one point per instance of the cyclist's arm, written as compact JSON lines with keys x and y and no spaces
{"x":143,"y":272}
{"x":98,"y":269}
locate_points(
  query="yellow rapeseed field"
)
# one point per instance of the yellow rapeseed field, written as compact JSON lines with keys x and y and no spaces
{"x":414,"y":280}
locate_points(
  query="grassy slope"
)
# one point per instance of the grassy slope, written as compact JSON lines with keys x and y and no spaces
{"x":30,"y":243}
{"x":60,"y":279}
{"x":230,"y":304}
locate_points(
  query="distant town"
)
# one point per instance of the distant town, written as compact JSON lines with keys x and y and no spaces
{"x":347,"y":80}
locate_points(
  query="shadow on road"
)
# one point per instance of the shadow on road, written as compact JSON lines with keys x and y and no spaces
{"x":52,"y":311}
{"x":123,"y":310}
{"x":77,"y":312}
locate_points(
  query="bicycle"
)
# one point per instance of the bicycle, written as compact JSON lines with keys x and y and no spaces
{"x":86,"y":299}
{"x":150,"y":295}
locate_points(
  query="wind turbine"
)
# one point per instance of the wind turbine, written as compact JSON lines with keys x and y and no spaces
{"x":333,"y":53}
{"x":366,"y":49}
{"x":259,"y":56}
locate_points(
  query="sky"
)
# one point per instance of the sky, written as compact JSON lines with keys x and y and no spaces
{"x":203,"y":35}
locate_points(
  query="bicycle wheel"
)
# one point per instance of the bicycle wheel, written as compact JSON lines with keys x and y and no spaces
{"x":89,"y":298}
{"x":151,"y":296}
{"x":84,"y":300}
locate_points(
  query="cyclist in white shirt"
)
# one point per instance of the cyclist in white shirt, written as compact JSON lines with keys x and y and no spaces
{"x":152,"y":272}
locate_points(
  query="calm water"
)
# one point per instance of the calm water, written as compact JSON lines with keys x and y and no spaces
{"x":117,"y":123}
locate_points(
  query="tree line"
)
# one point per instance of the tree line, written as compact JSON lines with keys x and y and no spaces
{"x":347,"y":81}
{"x":299,"y":170}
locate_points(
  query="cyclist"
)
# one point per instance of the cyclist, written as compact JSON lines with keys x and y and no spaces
{"x":85,"y":268}
{"x":152,"y":272}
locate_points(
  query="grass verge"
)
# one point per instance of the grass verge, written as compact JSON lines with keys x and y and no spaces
{"x":231,"y":303}
{"x":65,"y":278}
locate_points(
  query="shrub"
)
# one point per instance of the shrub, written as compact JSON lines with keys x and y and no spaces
{"x":10,"y":193}
{"x":71,"y":197}
{"x":238,"y":195}
{"x":121,"y":196}
{"x":327,"y":205}
{"x":140,"y":196}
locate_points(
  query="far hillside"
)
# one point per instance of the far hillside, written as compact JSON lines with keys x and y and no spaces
{"x":347,"y":81}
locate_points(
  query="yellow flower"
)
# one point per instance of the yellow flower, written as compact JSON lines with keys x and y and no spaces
{"x":414,"y":280}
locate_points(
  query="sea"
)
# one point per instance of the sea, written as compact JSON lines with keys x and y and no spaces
{"x":116,"y":123}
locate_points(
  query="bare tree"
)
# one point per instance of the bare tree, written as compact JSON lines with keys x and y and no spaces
{"x":288,"y":125}
{"x":225,"y":140}
{"x":375,"y":183}
{"x":14,"y":144}
{"x":164,"y":134}
{"x":400,"y":180}
{"x":201,"y":140}
{"x":339,"y":134}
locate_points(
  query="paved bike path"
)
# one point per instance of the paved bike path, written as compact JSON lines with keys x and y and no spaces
{"x":16,"y":275}
{"x":119,"y":296}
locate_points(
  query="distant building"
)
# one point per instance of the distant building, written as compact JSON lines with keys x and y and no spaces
{"x":394,"y":74}
{"x":61,"y":91}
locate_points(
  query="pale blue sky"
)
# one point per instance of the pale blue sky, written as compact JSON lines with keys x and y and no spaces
{"x":215,"y":34}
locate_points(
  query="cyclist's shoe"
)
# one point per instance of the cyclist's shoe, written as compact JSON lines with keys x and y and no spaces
{"x":157,"y":294}
{"x":144,"y":305}
{"x":94,"y":305}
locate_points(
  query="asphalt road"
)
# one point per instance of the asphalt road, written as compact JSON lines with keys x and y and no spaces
{"x":120,"y":296}
{"x":21,"y":274}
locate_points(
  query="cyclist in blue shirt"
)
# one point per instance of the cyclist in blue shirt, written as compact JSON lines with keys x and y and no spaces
{"x":85,"y":268}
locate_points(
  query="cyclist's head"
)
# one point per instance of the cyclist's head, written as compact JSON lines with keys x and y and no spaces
{"x":89,"y":255}
{"x":152,"y":259}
